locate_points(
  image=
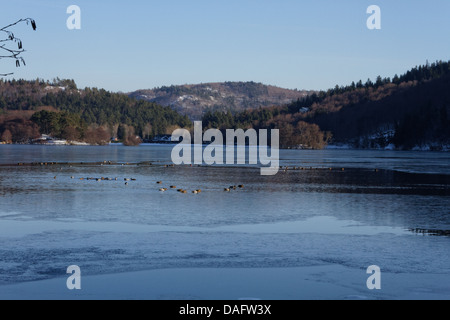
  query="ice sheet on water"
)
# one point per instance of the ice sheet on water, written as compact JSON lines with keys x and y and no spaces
{"x":274,"y":222}
{"x":9,"y":214}
{"x":47,"y":255}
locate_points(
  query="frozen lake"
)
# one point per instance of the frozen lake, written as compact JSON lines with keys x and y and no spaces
{"x":385,"y":208}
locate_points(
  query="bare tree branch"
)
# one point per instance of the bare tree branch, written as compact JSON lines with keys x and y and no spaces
{"x":27,"y":20}
{"x":10,"y":53}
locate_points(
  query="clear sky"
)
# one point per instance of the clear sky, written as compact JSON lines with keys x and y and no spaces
{"x":312,"y":44}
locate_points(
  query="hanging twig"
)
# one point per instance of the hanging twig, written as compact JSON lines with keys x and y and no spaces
{"x":8,"y":52}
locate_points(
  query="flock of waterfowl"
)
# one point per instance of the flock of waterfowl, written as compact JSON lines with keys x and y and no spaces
{"x":126,"y":180}
{"x":286,"y":169}
{"x":241,"y":186}
{"x":282,"y":168}
{"x":172,"y":187}
{"x":183,"y":191}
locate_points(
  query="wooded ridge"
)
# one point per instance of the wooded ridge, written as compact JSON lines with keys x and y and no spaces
{"x":410,"y":111}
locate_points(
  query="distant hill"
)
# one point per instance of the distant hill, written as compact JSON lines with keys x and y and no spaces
{"x":59,"y":108}
{"x":195,"y":100}
{"x":411,"y":111}
{"x":409,"y":115}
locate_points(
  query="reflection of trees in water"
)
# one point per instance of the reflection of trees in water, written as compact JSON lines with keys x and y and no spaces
{"x":431,"y":232}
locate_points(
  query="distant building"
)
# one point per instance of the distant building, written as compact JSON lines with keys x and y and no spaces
{"x":48,"y":140}
{"x":162,"y":138}
{"x":304,"y":110}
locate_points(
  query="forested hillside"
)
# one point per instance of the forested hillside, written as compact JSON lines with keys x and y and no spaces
{"x":408,"y":111}
{"x":77,"y":114}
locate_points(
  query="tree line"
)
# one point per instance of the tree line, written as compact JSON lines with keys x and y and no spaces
{"x":79,"y":114}
{"x":414,"y":105}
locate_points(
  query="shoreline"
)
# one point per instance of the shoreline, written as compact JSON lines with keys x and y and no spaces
{"x":444,"y":149}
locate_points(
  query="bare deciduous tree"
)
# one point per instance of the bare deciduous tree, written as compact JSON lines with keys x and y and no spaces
{"x":8,"y":43}
{"x":6,"y":136}
{"x":97,"y":135}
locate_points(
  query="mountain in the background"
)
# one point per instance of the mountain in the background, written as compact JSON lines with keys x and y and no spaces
{"x":411,"y":111}
{"x":195,"y":100}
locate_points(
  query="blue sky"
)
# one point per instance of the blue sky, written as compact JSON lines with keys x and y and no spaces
{"x":313,"y":44}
